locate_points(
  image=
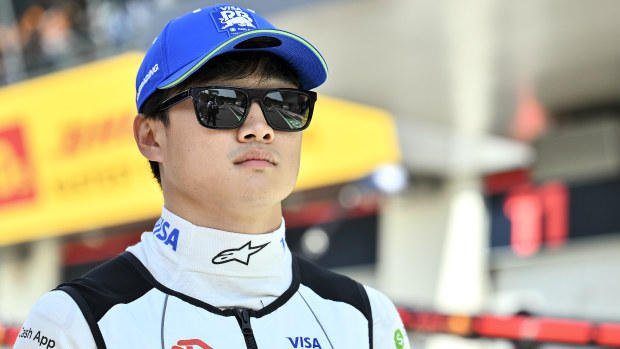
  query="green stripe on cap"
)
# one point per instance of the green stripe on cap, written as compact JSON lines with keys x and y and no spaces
{"x":217,"y":49}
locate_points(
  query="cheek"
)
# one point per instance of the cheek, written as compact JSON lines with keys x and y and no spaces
{"x":193,"y":151}
{"x":293,"y":154}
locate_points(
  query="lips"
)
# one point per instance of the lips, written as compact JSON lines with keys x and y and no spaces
{"x":255,"y":156}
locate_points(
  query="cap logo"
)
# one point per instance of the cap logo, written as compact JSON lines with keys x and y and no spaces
{"x":146,"y":79}
{"x":233,"y":20}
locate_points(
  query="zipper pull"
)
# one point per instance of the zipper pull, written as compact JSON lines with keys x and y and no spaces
{"x":244,"y":320}
{"x":244,"y":317}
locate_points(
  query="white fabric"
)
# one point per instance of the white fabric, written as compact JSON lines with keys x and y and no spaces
{"x":190,"y":270}
{"x":57,"y":321}
{"x":305,"y":317}
{"x":386,"y":320}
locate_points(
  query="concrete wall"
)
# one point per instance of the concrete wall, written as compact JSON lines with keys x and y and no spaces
{"x":27,"y":271}
{"x":580,"y":281}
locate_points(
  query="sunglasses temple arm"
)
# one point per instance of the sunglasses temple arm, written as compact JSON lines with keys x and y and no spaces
{"x":175,"y":99}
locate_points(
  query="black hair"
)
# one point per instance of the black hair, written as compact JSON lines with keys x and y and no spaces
{"x":228,"y":66}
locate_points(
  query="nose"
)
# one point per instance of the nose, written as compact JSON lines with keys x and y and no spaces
{"x":255,"y":127}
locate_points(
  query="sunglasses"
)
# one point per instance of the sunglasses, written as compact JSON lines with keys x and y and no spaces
{"x":224,"y":108}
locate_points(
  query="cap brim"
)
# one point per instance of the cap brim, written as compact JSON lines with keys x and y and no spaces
{"x":303,"y":57}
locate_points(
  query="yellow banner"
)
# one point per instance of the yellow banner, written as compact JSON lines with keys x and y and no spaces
{"x":68,"y":161}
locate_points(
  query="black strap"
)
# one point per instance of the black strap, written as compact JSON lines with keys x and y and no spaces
{"x":86,"y":311}
{"x":335,"y":287}
{"x":115,"y":281}
{"x":368,"y":312}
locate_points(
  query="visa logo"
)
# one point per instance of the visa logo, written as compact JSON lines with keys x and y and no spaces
{"x":163,"y":233}
{"x":230,"y":8}
{"x":304,"y":342}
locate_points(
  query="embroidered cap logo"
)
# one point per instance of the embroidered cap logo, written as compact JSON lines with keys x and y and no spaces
{"x":241,"y":254}
{"x":233,"y":20}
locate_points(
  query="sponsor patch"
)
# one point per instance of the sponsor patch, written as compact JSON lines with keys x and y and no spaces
{"x":42,"y":340}
{"x":164,"y":232}
{"x":190,"y":344}
{"x":304,"y":342}
{"x":154,"y":69}
{"x":233,"y":20}
{"x":399,"y":339}
{"x":241,"y":254}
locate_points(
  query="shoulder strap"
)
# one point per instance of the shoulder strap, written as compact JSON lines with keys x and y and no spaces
{"x":335,"y":287}
{"x":115,"y":281}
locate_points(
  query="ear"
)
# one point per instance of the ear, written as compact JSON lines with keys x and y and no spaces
{"x":150,"y":136}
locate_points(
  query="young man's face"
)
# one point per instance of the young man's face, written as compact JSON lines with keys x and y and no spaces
{"x":252,"y":166}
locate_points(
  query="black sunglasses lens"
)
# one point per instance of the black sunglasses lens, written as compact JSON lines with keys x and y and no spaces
{"x":225,"y":107}
{"x":287,"y":110}
{"x":221,"y":107}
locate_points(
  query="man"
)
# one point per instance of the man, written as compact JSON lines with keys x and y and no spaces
{"x":222,"y":97}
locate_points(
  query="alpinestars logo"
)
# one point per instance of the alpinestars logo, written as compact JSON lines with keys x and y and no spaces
{"x":191,"y":344}
{"x":241,"y":254}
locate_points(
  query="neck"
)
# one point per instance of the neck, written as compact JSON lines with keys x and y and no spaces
{"x":246,"y":219}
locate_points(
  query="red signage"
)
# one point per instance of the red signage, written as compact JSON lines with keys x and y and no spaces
{"x":537,"y":214}
{"x":16,"y":173}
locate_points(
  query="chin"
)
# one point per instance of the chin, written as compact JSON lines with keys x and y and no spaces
{"x":265,"y":195}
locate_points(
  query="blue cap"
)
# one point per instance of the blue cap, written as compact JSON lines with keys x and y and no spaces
{"x":189,"y":41}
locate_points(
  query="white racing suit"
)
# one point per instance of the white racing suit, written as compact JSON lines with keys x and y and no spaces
{"x":190,"y":287}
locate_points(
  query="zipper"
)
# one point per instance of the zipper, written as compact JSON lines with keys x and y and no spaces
{"x":243,"y":315}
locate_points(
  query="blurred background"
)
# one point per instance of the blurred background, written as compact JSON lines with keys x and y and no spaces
{"x":464,"y":158}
